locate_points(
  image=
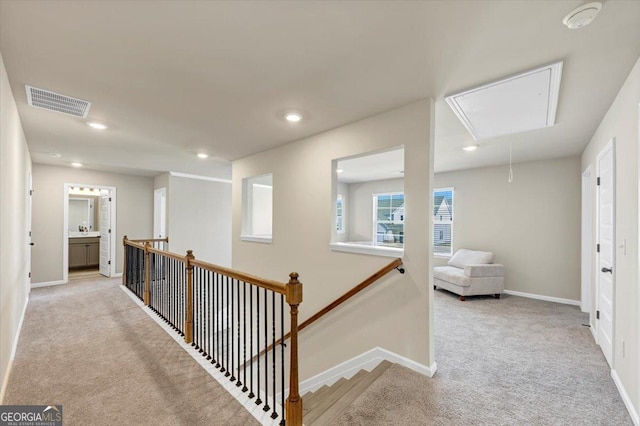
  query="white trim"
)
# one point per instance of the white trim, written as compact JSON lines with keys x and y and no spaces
{"x":199,"y":177}
{"x":48,"y":283}
{"x":594,"y":333}
{"x":625,"y":398}
{"x":542,"y":297}
{"x":118,"y":275}
{"x":372,"y":250}
{"x":256,"y":239}
{"x":5,"y":382}
{"x":638,"y":259}
{"x":249,"y":404}
{"x":367,"y":361}
{"x":586,"y":264}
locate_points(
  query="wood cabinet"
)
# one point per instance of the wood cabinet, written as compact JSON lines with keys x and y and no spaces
{"x":84,"y":252}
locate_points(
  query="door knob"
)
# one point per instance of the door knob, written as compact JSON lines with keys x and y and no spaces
{"x":609,"y":270}
{"x":32,"y":244}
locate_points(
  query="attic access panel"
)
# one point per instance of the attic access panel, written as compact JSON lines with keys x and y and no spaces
{"x":516,"y":104}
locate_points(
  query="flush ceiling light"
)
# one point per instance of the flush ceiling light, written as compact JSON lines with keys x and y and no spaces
{"x":339,"y":170}
{"x":293,"y":117}
{"x":582,"y":15}
{"x":470,"y":147}
{"x":55,"y":155}
{"x":76,"y":164}
{"x":97,"y":126}
{"x":202,"y":155}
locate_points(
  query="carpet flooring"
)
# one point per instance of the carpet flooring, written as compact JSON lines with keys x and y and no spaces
{"x":512,"y":361}
{"x":88,"y":346}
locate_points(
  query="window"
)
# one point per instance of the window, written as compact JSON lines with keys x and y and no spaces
{"x":257,"y":208}
{"x":443,"y":221}
{"x":340,"y":214}
{"x":389,"y":220}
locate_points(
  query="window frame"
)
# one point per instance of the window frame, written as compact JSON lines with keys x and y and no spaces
{"x":248,"y":183}
{"x":435,"y":221}
{"x":376,"y":221}
{"x":341,"y":229}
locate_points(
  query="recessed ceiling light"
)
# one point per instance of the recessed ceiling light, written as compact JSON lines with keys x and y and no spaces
{"x":55,"y":155}
{"x":202,"y":155}
{"x":470,"y":147}
{"x":582,"y":15}
{"x":76,"y":164}
{"x":97,"y":126}
{"x":339,"y":170}
{"x":293,"y":117}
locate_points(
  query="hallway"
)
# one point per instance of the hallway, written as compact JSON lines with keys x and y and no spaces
{"x":88,"y":346}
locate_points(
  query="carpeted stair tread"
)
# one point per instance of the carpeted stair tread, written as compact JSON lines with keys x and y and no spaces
{"x":320,"y":397}
{"x":341,"y":395}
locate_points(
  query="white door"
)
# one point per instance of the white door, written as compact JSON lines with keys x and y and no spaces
{"x":160,"y":213}
{"x":606,"y":255}
{"x":105,"y":235}
{"x":587,"y":243}
{"x":29,"y":239}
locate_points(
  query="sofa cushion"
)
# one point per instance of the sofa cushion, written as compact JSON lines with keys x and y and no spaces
{"x":464,"y":257}
{"x":493,"y":270}
{"x":452,"y":275}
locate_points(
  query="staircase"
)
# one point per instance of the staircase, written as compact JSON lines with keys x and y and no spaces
{"x":326,"y":404}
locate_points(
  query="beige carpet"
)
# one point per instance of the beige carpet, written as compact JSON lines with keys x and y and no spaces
{"x":512,"y":361}
{"x":88,"y":346}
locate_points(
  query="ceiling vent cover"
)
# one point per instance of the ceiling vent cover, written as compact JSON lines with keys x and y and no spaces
{"x":52,"y":101}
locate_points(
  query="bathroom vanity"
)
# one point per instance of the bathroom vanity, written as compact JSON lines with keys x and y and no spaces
{"x":84,"y":251}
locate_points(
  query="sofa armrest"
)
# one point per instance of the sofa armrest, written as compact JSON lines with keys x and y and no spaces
{"x":490,"y":270}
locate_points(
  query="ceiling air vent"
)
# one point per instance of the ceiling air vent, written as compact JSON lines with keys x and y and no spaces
{"x":516,"y":104}
{"x":52,"y":101}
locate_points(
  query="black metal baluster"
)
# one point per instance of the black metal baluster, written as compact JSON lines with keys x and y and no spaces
{"x":225,"y":336}
{"x":233,"y":370}
{"x":216,"y":319}
{"x":244,"y":336}
{"x":282,"y":346}
{"x":273,"y":353}
{"x":238,"y":382}
{"x":209,"y":310}
{"x":266,"y":354}
{"x":258,"y":400}
{"x":251,"y":394}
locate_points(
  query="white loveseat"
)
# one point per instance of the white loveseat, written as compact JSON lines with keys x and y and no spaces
{"x":470,"y":273}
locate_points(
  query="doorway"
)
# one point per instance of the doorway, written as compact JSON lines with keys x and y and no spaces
{"x":160,"y":213}
{"x":587,"y":242}
{"x":605,"y":252}
{"x":89,"y":227}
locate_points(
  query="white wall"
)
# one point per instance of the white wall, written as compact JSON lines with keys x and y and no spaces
{"x":15,"y":166}
{"x":621,"y":123}
{"x":360,"y":211}
{"x":200,"y":218}
{"x":532,"y":225}
{"x":396,"y":312}
{"x":134,"y":213}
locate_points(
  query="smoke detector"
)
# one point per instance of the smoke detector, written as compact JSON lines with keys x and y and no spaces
{"x":46,"y":99}
{"x":582,"y":16}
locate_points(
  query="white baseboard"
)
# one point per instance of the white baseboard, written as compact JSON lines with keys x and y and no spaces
{"x":625,"y":398}
{"x":48,"y":283}
{"x":256,"y":410}
{"x":5,"y":382}
{"x":367,"y":361}
{"x":118,"y":275}
{"x":593,"y":333}
{"x":542,"y":297}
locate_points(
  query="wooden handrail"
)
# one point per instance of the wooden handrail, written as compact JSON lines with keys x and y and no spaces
{"x":251,"y":279}
{"x":396,"y":264}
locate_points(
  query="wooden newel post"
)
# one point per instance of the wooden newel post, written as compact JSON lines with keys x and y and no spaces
{"x":124,"y":262}
{"x":188,"y":321}
{"x":147,"y":275}
{"x":294,"y":402}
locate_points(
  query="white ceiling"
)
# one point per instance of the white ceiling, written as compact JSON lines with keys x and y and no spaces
{"x":174,"y":78}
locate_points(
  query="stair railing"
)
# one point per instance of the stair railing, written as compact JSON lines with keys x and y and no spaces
{"x":228,"y":316}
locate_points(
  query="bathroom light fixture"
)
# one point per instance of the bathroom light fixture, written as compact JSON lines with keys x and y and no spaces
{"x":76,"y":164}
{"x":202,"y":155}
{"x":293,"y":117}
{"x":470,"y":147}
{"x":96,"y":125}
